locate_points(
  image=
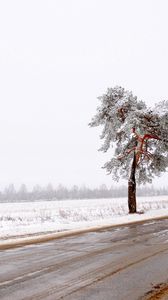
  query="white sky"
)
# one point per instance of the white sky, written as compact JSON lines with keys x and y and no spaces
{"x":56,"y":57}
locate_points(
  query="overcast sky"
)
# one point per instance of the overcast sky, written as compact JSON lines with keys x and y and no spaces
{"x":56,"y":58}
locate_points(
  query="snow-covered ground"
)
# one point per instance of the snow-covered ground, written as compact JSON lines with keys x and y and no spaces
{"x":45,"y":216}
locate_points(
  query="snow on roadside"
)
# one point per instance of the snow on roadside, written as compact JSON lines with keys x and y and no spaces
{"x":46,"y":216}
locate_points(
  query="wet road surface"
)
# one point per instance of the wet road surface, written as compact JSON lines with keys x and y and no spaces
{"x":122,"y":263}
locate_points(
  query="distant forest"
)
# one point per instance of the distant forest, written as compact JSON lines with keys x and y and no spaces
{"x":10,"y":194}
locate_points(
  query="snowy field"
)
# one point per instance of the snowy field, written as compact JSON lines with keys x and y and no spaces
{"x":18,"y":219}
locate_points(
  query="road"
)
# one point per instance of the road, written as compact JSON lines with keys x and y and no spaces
{"x":121,"y":263}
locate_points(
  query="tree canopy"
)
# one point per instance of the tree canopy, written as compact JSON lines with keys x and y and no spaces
{"x":130,"y":127}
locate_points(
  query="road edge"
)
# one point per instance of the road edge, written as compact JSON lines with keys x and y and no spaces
{"x":20,"y":242}
{"x":160,"y":291}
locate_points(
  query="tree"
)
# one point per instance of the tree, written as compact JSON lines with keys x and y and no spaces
{"x":37,"y":192}
{"x":10,"y":192}
{"x":23,"y":193}
{"x":49,"y":192}
{"x":138,"y":136}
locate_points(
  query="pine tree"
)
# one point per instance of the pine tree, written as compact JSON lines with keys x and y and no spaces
{"x":138,"y":136}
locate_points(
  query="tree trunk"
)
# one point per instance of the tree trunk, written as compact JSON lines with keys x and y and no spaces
{"x":132,"y":188}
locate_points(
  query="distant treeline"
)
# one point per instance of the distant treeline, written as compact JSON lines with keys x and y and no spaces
{"x":10,"y":194}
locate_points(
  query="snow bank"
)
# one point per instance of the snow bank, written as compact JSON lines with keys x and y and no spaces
{"x":46,"y":216}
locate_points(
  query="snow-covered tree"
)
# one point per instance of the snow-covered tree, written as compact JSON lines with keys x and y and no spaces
{"x":138,"y":136}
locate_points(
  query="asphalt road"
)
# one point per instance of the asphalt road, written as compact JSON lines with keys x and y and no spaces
{"x":122,"y":263}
